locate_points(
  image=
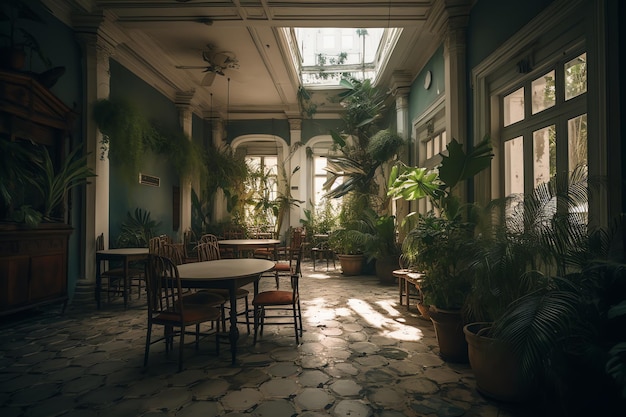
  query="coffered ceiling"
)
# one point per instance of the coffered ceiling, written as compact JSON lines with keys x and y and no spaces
{"x":154,"y":38}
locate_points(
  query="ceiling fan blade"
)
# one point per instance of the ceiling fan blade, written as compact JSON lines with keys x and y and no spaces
{"x":207,"y":81}
{"x":191,"y":66}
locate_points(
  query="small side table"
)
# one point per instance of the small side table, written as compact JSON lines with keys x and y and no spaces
{"x":406,"y":279}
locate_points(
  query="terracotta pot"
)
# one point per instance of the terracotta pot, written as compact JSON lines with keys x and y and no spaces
{"x":423,"y":309}
{"x":351,"y":264}
{"x":385,"y":267}
{"x":495,"y":366}
{"x":449,"y":331}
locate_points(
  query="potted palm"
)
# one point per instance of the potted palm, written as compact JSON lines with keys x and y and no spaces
{"x":441,"y":242}
{"x":546,"y":282}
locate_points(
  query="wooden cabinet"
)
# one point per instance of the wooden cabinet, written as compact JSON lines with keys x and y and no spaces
{"x":33,"y":266}
{"x":33,"y":262}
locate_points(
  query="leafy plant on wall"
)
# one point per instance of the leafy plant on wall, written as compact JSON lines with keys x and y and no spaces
{"x":127,"y":134}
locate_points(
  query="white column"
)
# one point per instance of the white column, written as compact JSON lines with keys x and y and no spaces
{"x":96,"y":51}
{"x":183,"y":104}
{"x":220,"y":211}
{"x":299,"y":178}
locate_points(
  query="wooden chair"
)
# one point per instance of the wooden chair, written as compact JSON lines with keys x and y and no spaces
{"x":210,"y":252}
{"x":173,"y":251}
{"x":113,"y":280}
{"x":208,"y":237}
{"x":268,"y":305}
{"x":167,"y":308}
{"x":292,"y":264}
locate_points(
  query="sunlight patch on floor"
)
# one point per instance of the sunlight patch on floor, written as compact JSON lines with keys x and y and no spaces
{"x":389,"y":326}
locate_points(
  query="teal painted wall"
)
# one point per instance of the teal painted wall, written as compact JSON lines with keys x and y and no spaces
{"x":127,"y":194}
{"x":277,"y":127}
{"x":421,"y":99}
{"x":317,"y":127}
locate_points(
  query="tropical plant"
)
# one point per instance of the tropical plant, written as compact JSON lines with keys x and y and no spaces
{"x":364,"y":147}
{"x":54,"y":184}
{"x":441,"y":241}
{"x":137,"y":230}
{"x":550,"y":283}
{"x":26,"y":165}
{"x":347,"y":241}
{"x":378,"y":235}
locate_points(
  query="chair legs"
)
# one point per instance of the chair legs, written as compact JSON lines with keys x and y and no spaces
{"x":260,"y":316}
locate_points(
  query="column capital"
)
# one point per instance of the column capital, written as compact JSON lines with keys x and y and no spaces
{"x":183,"y":98}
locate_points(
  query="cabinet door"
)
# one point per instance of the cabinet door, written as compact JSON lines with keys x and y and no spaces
{"x":14,"y":281}
{"x":47,"y":277}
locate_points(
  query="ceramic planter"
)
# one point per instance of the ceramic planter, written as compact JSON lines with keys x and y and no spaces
{"x":351,"y":264}
{"x":495,"y":365}
{"x":449,"y":331}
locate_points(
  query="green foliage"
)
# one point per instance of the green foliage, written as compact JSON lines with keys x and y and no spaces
{"x":414,"y":183}
{"x":442,"y":243}
{"x":137,"y":230}
{"x":55,"y":184}
{"x":364,"y":148}
{"x":18,"y":161}
{"x":123,"y":125}
{"x":26,"y":165}
{"x":441,"y":249}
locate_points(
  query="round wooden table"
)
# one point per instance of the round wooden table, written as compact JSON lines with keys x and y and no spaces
{"x":227,"y":274}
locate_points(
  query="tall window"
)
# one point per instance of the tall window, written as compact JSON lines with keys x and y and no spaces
{"x":262,"y":189}
{"x":544,"y":125}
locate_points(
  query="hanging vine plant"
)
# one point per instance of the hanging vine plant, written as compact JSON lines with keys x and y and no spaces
{"x":184,"y":154}
{"x":132,"y":134}
{"x":121,"y":121}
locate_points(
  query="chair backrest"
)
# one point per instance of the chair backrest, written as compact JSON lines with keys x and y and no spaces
{"x":297,"y":238}
{"x":100,"y":242}
{"x":296,"y":255}
{"x":155,"y":245}
{"x":296,"y":273}
{"x":208,"y":237}
{"x":172,"y":251}
{"x":208,"y":251}
{"x":163,"y":287}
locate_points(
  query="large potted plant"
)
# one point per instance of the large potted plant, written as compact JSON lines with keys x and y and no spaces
{"x":441,"y":242}
{"x":348,"y":245}
{"x":545,"y":285}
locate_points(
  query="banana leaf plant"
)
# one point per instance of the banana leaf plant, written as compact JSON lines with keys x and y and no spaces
{"x":363,"y":146}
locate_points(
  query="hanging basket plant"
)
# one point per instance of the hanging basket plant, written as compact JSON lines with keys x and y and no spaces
{"x":121,"y":122}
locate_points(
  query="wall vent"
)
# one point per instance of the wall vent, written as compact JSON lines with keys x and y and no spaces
{"x":149,"y":180}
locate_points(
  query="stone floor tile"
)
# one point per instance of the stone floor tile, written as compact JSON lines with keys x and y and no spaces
{"x":241,"y":400}
{"x":283,"y":369}
{"x":352,"y":408}
{"x":200,"y":409}
{"x":313,"y":378}
{"x":314,"y":399}
{"x":346,"y":388}
{"x":279,"y":388}
{"x":275,"y":408}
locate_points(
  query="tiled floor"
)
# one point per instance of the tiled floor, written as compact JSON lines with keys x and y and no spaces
{"x":362,"y":355}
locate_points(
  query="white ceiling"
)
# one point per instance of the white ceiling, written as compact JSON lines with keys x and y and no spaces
{"x":154,"y":37}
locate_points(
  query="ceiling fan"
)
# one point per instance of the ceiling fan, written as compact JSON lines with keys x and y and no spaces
{"x":218,"y":63}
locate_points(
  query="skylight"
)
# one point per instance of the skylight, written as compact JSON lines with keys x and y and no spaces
{"x":329,"y":54}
